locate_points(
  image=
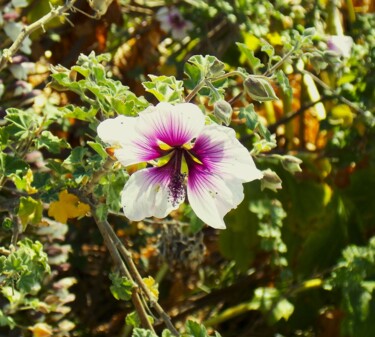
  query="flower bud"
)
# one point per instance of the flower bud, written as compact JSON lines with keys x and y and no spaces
{"x":223,"y":111}
{"x":291,"y":164}
{"x":259,"y":88}
{"x":270,"y":180}
{"x":100,"y":6}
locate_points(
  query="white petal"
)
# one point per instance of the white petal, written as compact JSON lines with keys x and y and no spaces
{"x":146,"y":194}
{"x":222,"y":154}
{"x":112,"y":130}
{"x":174,"y":125}
{"x":134,"y":147}
{"x":211,"y":197}
{"x":341,"y":44}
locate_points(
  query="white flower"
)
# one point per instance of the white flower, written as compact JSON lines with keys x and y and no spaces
{"x":341,"y":44}
{"x":183,"y":150}
{"x":172,"y":22}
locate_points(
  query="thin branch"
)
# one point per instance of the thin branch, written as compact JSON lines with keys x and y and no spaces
{"x":278,"y":64}
{"x":103,"y":227}
{"x":115,"y":246}
{"x":7,"y":54}
{"x":333,"y":91}
{"x":272,"y":128}
{"x":138,"y":278}
{"x":16,"y":230}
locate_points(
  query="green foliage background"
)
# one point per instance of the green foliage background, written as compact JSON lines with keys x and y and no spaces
{"x":296,"y":261}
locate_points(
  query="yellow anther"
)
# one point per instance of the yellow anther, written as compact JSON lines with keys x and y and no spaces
{"x":188,"y":146}
{"x":164,"y":146}
{"x":164,"y":160}
{"x":195,"y":158}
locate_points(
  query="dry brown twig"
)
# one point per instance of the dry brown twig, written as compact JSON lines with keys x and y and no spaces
{"x":55,"y":12}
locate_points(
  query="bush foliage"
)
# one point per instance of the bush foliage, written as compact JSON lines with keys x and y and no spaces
{"x":293,"y":78}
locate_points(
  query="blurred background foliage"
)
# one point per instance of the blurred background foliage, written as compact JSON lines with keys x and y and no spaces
{"x":296,"y":261}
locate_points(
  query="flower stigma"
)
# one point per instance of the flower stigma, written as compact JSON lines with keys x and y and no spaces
{"x":177,"y":160}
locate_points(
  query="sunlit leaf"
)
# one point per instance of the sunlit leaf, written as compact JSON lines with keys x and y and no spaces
{"x":30,"y":211}
{"x":254,"y":62}
{"x":121,"y":287}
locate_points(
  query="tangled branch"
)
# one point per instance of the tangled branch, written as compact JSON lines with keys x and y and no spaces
{"x":59,"y":11}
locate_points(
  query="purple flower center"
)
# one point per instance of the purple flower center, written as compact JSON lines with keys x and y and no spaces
{"x":176,"y":20}
{"x":176,"y":186}
{"x":180,"y":157}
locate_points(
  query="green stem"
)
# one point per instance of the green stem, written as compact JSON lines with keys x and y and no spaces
{"x":279,"y":64}
{"x":228,"y":314}
{"x":231,"y":73}
{"x":198,"y":87}
{"x":207,"y":81}
{"x":351,"y":11}
{"x":334,"y":92}
{"x":214,"y":90}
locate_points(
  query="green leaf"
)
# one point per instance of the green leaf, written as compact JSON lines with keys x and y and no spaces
{"x":267,"y":48}
{"x":7,"y":225}
{"x":283,"y":309}
{"x":12,"y":165}
{"x":270,"y":214}
{"x":56,"y":166}
{"x":143,"y":333}
{"x":121,"y":287}
{"x":253,"y":122}
{"x":133,"y":319}
{"x":200,"y":67}
{"x":112,"y":188}
{"x":254,"y":62}
{"x":6,"y":320}
{"x":98,"y":148}
{"x":195,"y":329}
{"x":264,"y":298}
{"x":165,"y":89}
{"x":81,"y":113}
{"x":102,"y":211}
{"x":81,"y":70}
{"x":21,"y":124}
{"x":52,"y":143}
{"x":24,"y":269}
{"x":251,"y":117}
{"x":283,"y":81}
{"x":4,"y":137}
{"x":167,"y":333}
{"x":30,"y":211}
{"x":76,"y":156}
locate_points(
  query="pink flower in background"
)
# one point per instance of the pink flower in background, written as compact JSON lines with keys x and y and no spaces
{"x":182,"y":150}
{"x":172,"y":22}
{"x":341,"y":44}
